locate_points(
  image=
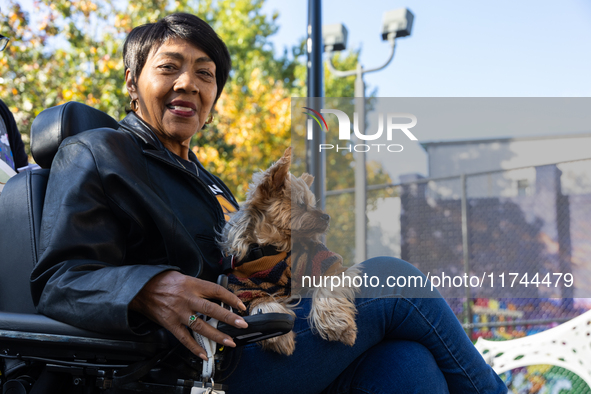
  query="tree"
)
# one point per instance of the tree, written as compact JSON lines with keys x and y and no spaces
{"x":71,"y":50}
{"x":59,"y":56}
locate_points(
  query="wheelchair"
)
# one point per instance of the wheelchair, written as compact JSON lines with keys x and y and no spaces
{"x":37,"y":353}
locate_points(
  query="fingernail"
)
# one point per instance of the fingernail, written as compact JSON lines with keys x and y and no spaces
{"x":241,"y":323}
{"x":229,"y":342}
{"x":242,"y":306}
{"x":203,"y":356}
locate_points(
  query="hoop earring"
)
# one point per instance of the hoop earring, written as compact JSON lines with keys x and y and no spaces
{"x":134,"y":104}
{"x":209,"y":118}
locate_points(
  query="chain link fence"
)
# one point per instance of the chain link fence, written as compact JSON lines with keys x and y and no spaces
{"x":528,"y":227}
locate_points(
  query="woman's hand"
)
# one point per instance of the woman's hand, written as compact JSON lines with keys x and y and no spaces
{"x":170,"y":298}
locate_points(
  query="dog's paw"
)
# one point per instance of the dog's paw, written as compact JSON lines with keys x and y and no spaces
{"x":284,"y":344}
{"x":334,"y":319}
{"x":349,"y":334}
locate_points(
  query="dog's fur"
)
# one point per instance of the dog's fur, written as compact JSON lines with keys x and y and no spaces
{"x":268,"y":217}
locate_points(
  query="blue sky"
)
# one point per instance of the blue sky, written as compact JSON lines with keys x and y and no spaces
{"x":460,"y":48}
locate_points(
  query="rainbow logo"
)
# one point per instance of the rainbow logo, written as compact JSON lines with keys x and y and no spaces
{"x":316,"y":118}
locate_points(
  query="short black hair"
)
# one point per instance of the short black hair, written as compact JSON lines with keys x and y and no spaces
{"x":149,"y":37}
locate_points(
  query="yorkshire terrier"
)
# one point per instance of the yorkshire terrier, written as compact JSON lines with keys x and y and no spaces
{"x":281,"y":208}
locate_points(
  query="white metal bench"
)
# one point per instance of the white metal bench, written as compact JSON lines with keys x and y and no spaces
{"x":567,"y":345}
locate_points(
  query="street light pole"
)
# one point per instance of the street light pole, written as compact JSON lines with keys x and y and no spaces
{"x":315,"y":163}
{"x":396,"y":23}
{"x":360,"y":157}
{"x":360,"y":173}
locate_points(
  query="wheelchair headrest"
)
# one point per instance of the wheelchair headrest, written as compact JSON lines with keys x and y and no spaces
{"x":55,"y":124}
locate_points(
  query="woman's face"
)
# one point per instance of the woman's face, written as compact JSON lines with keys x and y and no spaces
{"x":176,"y":90}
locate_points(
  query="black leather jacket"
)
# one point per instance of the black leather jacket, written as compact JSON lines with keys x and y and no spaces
{"x":120,"y":209}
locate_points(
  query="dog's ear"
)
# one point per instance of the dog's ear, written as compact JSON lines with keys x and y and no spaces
{"x":280,"y":170}
{"x":307,"y":178}
{"x":287,"y":154}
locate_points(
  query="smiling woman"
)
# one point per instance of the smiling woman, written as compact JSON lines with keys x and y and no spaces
{"x":175,"y":92}
{"x":138,"y":207}
{"x":175,"y":73}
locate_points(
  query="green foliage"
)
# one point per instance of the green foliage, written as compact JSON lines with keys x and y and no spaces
{"x":71,"y":50}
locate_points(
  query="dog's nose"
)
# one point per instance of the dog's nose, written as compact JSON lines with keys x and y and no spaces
{"x":325,"y":217}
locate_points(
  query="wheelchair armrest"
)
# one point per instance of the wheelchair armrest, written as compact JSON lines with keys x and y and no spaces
{"x":40,"y":336}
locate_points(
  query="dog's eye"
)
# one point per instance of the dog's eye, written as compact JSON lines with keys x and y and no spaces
{"x":303,"y":205}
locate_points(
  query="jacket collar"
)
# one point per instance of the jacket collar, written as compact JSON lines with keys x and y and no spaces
{"x":134,"y":125}
{"x":152,"y":146}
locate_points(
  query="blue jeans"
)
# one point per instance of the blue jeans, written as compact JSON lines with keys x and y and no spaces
{"x":406,"y":343}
